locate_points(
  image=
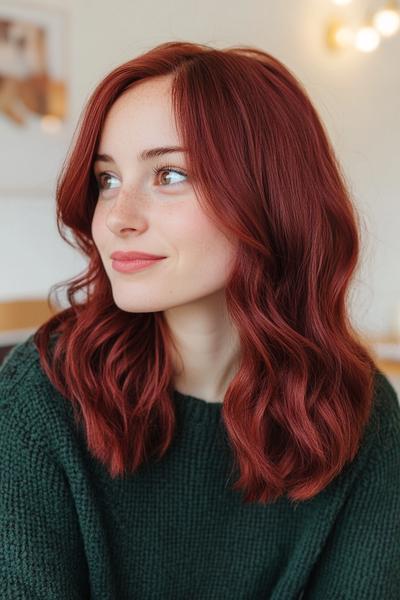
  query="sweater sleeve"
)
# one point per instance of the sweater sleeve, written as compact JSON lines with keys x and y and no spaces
{"x":41,"y":552}
{"x":361,"y":559}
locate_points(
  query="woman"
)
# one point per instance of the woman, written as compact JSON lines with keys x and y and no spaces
{"x":201,"y":423}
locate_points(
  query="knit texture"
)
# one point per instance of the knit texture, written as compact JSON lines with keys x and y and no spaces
{"x":175,"y":530}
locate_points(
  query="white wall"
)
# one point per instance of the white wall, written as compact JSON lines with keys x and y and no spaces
{"x":356,"y":95}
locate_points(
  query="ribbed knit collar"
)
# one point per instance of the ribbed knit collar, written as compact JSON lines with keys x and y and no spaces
{"x":197,"y":409}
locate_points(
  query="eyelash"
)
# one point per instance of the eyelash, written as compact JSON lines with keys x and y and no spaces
{"x":156,"y":170}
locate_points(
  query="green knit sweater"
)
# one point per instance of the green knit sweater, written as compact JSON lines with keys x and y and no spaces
{"x":176,"y":530}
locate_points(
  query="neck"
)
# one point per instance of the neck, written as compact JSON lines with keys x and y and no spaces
{"x":207,"y":351}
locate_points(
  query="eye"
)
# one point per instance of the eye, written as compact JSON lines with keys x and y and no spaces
{"x":168,"y":168}
{"x":102,"y":178}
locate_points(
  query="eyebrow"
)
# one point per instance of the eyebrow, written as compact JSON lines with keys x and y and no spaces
{"x":145,"y":154}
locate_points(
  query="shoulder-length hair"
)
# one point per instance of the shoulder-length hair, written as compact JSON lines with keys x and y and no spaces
{"x":265,"y":171}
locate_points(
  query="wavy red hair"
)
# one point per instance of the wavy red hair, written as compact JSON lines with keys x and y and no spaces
{"x":265,"y":171}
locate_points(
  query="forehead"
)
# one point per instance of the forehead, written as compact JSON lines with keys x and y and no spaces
{"x":143,"y":113}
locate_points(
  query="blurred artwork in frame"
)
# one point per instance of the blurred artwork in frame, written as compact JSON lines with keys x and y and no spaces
{"x":32,"y":65}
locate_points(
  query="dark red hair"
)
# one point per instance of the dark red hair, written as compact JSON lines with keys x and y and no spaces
{"x":264,"y":170}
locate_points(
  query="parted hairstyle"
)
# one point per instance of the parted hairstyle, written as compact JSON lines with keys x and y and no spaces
{"x":265,"y":171}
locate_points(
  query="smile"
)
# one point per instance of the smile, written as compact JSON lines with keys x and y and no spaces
{"x":130,"y":266}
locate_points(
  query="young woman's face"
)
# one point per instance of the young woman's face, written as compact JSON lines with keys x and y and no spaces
{"x":158,"y":213}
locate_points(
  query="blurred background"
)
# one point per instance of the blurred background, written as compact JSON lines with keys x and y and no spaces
{"x":53,"y":54}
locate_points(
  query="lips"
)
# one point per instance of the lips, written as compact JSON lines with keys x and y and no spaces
{"x":129,"y":265}
{"x":119,"y":255}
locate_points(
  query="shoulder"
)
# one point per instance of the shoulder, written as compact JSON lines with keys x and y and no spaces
{"x":363,"y":520}
{"x":21,"y":372}
{"x":377,"y":461}
{"x":26,"y":393}
{"x":383,"y":434}
{"x":385,"y":414}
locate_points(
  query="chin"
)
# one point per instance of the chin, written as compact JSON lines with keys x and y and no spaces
{"x":127,"y":305}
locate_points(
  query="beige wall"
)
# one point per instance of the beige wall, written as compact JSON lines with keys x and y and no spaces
{"x":356,"y":95}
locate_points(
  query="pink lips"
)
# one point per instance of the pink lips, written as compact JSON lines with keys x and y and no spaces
{"x":129,"y":262}
{"x":120,"y":255}
{"x":130,"y":266}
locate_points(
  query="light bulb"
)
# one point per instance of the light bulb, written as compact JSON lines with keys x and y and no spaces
{"x":339,"y":35}
{"x":367,"y":39}
{"x":344,"y":36}
{"x":387,"y":21}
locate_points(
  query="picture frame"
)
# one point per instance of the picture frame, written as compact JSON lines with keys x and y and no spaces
{"x":34,"y":97}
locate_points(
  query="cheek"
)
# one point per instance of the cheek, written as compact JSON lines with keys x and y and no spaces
{"x":207,"y":253}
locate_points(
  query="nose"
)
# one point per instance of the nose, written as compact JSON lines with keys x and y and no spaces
{"x":126,"y":213}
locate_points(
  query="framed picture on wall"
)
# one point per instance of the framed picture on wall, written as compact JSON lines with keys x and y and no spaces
{"x":34,"y":106}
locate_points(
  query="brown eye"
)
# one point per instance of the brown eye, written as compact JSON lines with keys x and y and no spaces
{"x":168,"y":169}
{"x":102,"y":180}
